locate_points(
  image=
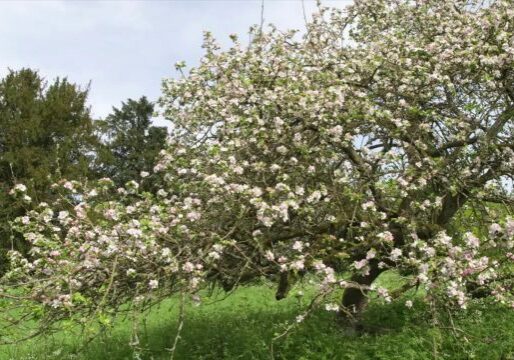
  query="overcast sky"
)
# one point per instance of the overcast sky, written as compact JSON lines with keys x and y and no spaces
{"x":125,"y":48}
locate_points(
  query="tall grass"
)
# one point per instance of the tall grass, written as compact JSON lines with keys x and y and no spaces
{"x":242,"y":327}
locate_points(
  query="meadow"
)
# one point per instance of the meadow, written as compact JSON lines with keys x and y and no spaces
{"x":242,"y":326}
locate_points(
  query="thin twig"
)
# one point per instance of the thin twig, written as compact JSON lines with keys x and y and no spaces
{"x":181,"y":318}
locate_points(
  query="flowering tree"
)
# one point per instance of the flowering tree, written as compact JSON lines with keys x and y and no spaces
{"x":356,"y":148}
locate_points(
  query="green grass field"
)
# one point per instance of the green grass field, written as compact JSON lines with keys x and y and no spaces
{"x":242,"y":326}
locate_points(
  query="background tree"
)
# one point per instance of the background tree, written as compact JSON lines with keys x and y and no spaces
{"x":131,"y":142}
{"x":46,"y":134}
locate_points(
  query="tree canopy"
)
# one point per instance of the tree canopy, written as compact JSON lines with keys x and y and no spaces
{"x":131,"y":142}
{"x":46,"y":133}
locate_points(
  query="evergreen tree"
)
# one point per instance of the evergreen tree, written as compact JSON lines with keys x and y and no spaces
{"x":46,"y":133}
{"x":131,"y":142}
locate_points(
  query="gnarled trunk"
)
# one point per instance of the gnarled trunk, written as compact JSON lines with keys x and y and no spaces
{"x":355,"y":300}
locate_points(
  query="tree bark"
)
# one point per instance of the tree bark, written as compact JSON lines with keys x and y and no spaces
{"x":283,"y":286}
{"x":355,"y":300}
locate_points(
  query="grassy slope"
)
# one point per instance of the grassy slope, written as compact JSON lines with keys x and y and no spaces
{"x":242,"y":326}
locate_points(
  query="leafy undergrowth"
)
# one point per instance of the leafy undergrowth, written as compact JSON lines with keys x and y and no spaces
{"x":242,"y":326}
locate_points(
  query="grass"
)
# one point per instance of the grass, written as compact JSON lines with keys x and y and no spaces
{"x":242,"y":326}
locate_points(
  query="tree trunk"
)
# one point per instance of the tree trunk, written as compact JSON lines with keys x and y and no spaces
{"x":355,"y":300}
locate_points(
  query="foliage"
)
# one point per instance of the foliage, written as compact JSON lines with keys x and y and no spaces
{"x":131,"y":142}
{"x":45,"y":134}
{"x":349,"y":149}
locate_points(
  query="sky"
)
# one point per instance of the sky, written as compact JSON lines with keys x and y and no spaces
{"x":124,"y":49}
